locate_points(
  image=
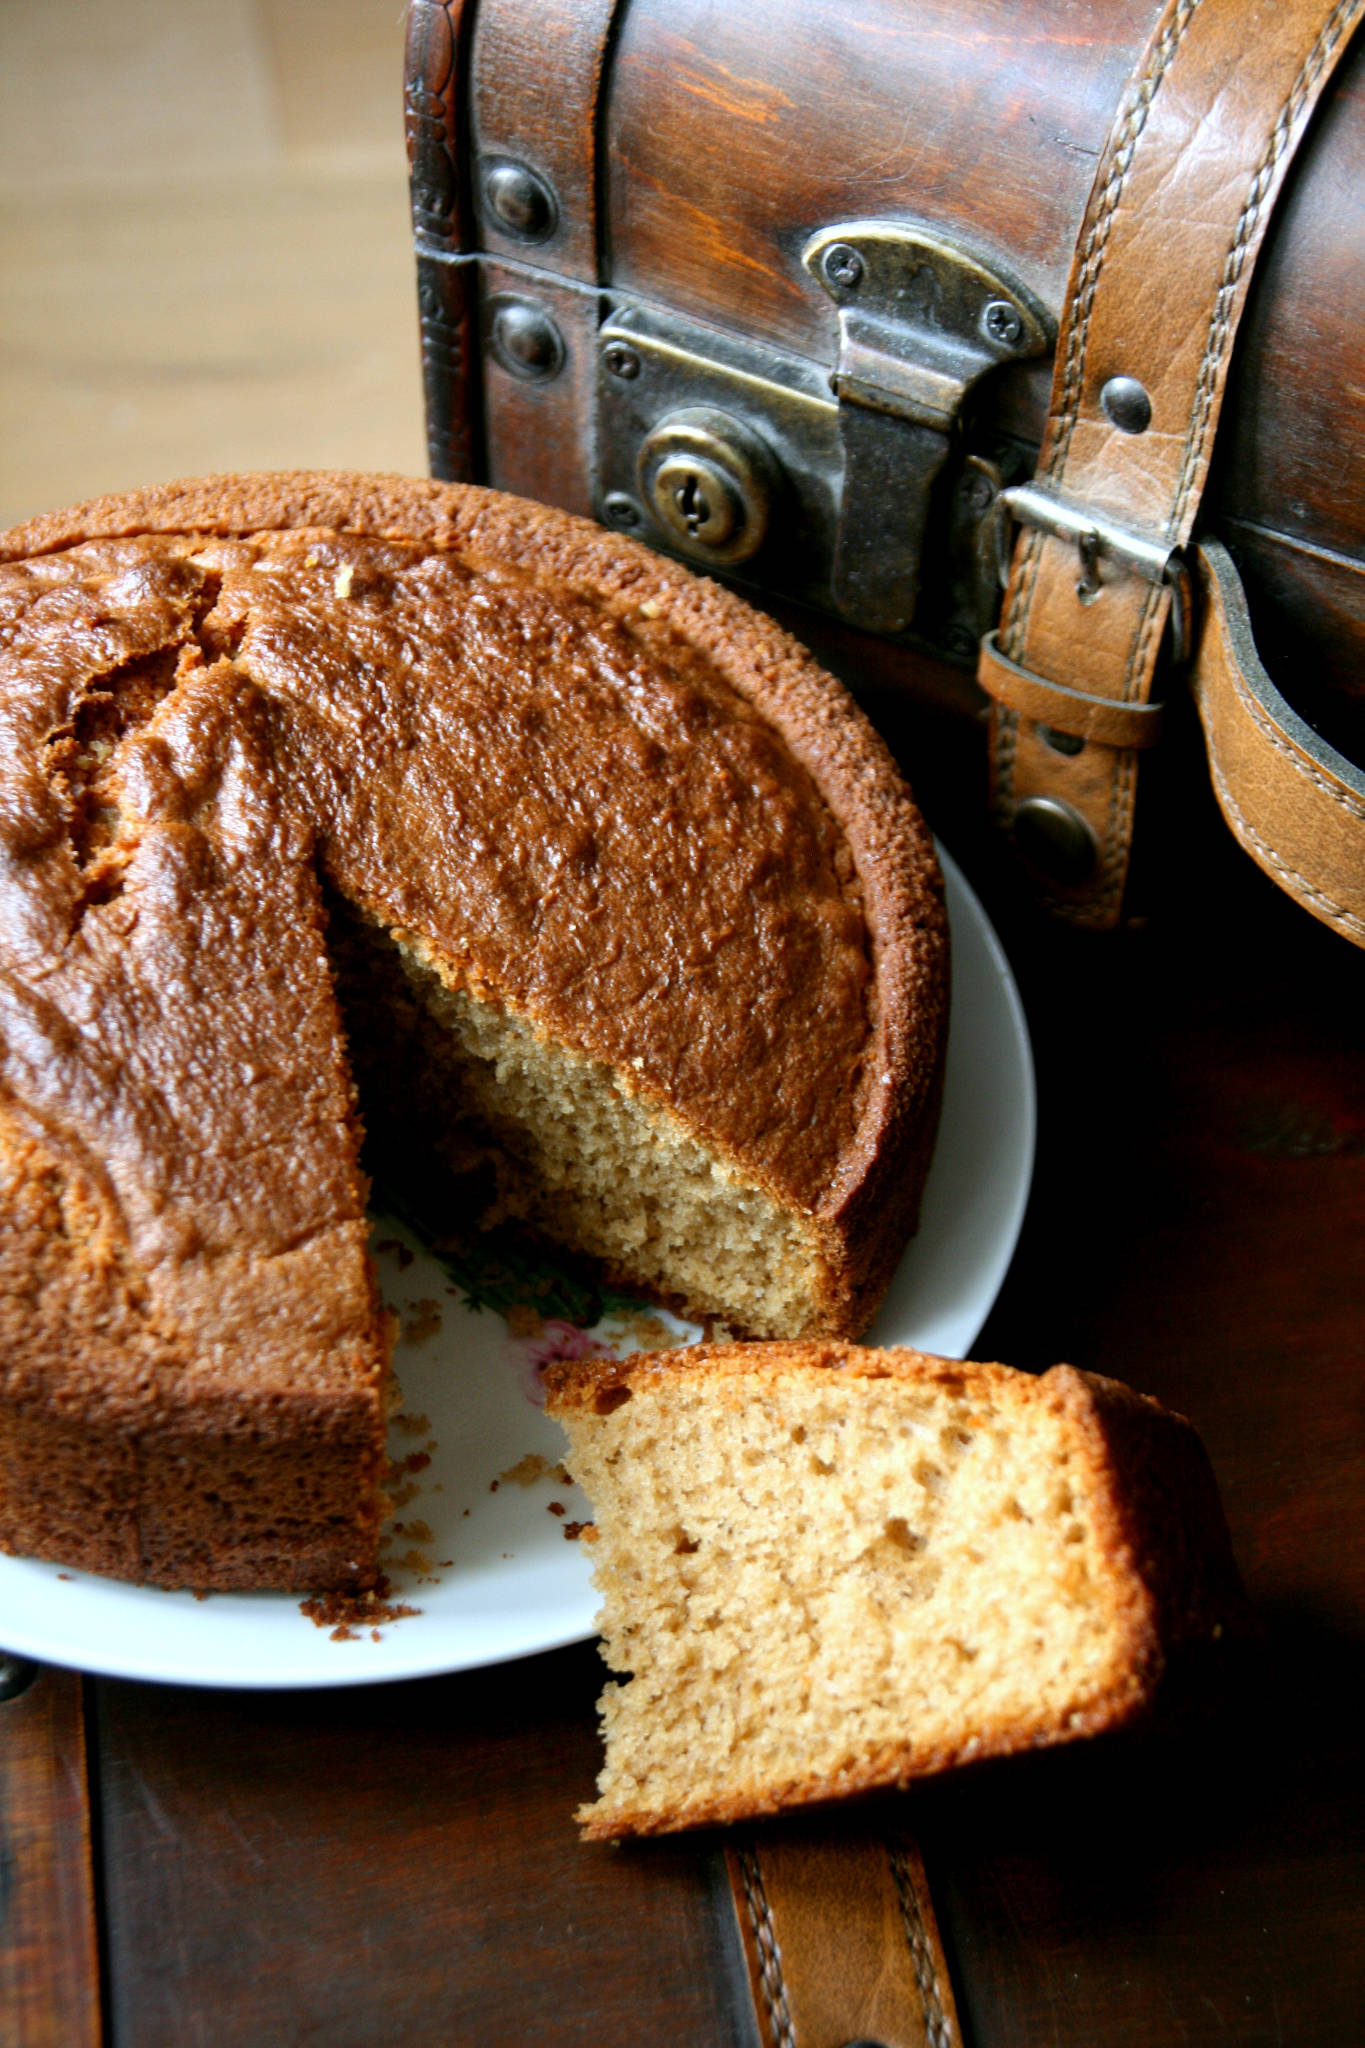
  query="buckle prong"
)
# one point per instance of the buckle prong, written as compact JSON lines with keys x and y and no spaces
{"x":1099,"y":539}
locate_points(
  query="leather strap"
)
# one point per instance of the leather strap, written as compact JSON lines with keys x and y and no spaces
{"x":1176,"y":218}
{"x":1293,"y":802}
{"x":1065,"y":710}
{"x":841,"y":1941}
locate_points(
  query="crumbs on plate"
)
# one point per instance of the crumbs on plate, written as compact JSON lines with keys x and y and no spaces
{"x":527,"y":1470}
{"x":404,"y":1256}
{"x":411,"y":1425}
{"x":345,"y":1613}
{"x":422,"y":1320}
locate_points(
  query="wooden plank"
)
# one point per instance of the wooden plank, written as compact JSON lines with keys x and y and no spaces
{"x":397,"y":1863}
{"x":1196,"y":1229}
{"x":49,"y":1959}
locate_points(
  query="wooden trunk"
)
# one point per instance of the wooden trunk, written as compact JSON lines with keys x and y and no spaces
{"x":682,"y":158}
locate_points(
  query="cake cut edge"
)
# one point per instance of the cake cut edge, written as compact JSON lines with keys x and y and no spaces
{"x":1153,"y":1508}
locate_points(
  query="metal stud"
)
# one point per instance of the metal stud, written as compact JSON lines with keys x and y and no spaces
{"x":16,"y":1675}
{"x":619,"y":510}
{"x":843,"y":265}
{"x":1125,"y":404}
{"x":519,"y":200}
{"x":1003,"y":324}
{"x":525,"y":340}
{"x":1055,"y":838}
{"x":621,"y":361}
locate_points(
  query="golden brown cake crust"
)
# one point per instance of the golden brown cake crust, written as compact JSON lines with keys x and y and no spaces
{"x":1156,"y":1512}
{"x":193,"y":676}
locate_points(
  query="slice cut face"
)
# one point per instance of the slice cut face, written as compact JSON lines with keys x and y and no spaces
{"x":826,"y":1569}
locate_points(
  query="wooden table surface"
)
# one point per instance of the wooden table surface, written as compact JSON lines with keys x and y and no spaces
{"x":397,"y":1863}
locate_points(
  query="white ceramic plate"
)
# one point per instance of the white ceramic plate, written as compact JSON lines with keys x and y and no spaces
{"x":482,"y":1546}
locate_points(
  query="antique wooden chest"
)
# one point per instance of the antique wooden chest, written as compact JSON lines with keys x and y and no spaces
{"x":857,"y":303}
{"x":1012,"y":355}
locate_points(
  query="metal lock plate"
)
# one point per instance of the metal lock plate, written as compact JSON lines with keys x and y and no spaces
{"x":921,"y":319}
{"x":814,"y":481}
{"x":718,"y":449}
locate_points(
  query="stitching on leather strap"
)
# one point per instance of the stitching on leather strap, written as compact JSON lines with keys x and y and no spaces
{"x":941,"y":2033}
{"x":1222,"y":325}
{"x":1121,"y":798}
{"x":769,"y":1954}
{"x":1154,"y":609}
{"x":1142,"y":93}
{"x":1302,"y":764}
{"x":1246,"y":831}
{"x":1094,"y":262}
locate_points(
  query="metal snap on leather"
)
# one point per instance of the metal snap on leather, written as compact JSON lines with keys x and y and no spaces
{"x":1125,"y":404}
{"x":1054,"y":838}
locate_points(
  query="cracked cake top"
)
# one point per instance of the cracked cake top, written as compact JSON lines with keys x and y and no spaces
{"x":602,"y":793}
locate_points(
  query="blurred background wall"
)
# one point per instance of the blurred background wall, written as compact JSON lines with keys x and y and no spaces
{"x":205,"y":258}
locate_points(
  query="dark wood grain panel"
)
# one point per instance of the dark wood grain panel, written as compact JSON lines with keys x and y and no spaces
{"x":49,"y":1964}
{"x":1296,"y":462}
{"x":735,"y":133}
{"x":397,"y":1864}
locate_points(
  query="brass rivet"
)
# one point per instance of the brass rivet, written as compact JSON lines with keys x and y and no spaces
{"x":525,"y":340}
{"x":1053,"y":837}
{"x":520,"y":201}
{"x":1125,"y":404}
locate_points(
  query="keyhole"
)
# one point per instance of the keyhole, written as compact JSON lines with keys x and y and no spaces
{"x":694,"y":505}
{"x":696,"y":502}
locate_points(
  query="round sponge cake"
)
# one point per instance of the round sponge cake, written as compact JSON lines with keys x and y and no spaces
{"x":577,"y":868}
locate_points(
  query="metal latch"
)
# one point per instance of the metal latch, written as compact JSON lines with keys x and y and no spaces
{"x":920,"y":320}
{"x":1101,"y":543}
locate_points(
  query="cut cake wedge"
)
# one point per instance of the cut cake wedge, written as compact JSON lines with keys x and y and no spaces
{"x":827,"y":1569}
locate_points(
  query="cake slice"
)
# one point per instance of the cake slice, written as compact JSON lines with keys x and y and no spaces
{"x":826,"y":1569}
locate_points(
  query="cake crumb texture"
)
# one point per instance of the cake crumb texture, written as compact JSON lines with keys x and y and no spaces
{"x":827,"y":1569}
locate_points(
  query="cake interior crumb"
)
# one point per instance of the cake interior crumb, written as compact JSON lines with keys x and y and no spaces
{"x":800,"y":1573}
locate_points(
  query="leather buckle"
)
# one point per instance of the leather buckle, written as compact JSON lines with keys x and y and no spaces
{"x":1098,"y":539}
